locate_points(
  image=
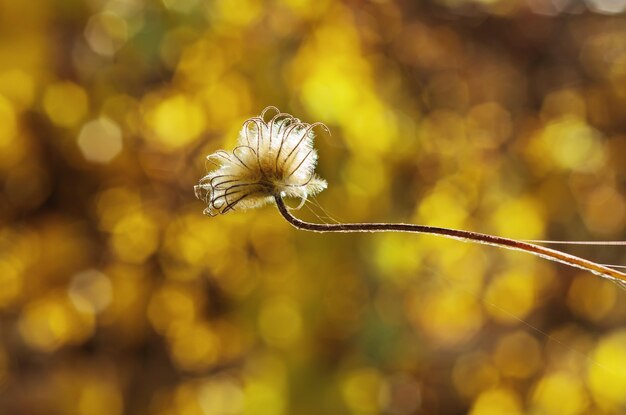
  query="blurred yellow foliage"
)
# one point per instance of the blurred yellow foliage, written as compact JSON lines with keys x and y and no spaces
{"x":606,"y":378}
{"x":9,"y":124}
{"x":11,"y":280}
{"x":448,"y":316}
{"x":134,"y":237}
{"x":518,"y":355}
{"x":364,"y":391}
{"x":510,"y":297}
{"x":497,"y":401}
{"x":18,"y":86}
{"x":194,"y":346}
{"x":280,"y":322}
{"x":52,"y":322}
{"x":265,"y":386}
{"x":65,"y":103}
{"x":560,"y":393}
{"x":221,"y":396}
{"x":571,"y":144}
{"x":170,"y":306}
{"x":474,"y":373}
{"x":99,"y":397}
{"x":119,"y":297}
{"x":106,"y":33}
{"x":100,"y":140}
{"x":591,"y":299}
{"x":176,"y":121}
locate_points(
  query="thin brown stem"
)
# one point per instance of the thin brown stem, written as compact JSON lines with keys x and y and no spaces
{"x":466,"y":236}
{"x":596,"y":243}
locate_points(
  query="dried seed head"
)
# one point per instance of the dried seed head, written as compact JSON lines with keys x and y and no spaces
{"x":272,"y":158}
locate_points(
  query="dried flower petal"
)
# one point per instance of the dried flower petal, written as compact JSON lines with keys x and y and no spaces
{"x":272,"y":158}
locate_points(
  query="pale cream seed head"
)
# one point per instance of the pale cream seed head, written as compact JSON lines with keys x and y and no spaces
{"x":272,"y":158}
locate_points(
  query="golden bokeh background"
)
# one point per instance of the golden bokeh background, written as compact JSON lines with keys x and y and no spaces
{"x":117,"y":296}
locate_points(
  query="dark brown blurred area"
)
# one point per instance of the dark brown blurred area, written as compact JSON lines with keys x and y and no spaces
{"x":117,"y":296}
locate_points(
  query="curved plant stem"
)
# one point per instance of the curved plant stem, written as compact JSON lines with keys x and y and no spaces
{"x":466,"y":236}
